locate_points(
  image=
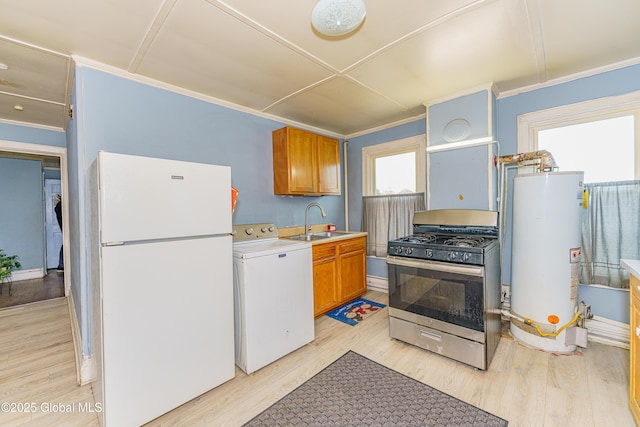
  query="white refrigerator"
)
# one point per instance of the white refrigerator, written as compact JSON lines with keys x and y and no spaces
{"x":162,"y":284}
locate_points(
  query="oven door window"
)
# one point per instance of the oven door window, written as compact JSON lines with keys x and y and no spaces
{"x":450,"y":297}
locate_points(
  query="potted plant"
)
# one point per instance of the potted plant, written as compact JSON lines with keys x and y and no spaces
{"x":8,"y":263}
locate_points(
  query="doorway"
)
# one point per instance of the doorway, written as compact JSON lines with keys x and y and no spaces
{"x":52,"y":196}
{"x":57,"y":284}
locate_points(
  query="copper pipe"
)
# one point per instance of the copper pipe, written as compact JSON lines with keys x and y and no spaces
{"x":547,"y":162}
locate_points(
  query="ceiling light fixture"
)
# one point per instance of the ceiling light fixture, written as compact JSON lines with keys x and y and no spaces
{"x":3,"y":66}
{"x":18,"y":107}
{"x":337,"y":17}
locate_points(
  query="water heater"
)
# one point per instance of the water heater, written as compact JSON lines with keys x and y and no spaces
{"x":545,"y":256}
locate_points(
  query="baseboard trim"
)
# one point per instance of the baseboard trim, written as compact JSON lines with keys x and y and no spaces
{"x":607,"y":331}
{"x":85,"y":365}
{"x":377,"y":283}
{"x":34,"y":273}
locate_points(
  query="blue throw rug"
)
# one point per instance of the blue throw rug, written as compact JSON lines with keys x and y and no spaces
{"x":355,"y":311}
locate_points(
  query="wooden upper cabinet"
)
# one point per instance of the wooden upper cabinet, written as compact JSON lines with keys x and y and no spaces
{"x":305,"y":163}
{"x":328,"y":165}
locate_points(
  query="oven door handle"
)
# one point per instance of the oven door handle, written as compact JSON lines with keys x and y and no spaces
{"x":437,"y":266}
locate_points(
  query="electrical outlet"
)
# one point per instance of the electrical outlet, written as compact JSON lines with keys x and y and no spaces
{"x":505,"y":293}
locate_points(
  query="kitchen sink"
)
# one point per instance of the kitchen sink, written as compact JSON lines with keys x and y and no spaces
{"x":320,"y":235}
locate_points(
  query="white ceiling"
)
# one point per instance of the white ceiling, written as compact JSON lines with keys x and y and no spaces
{"x":264,"y":55}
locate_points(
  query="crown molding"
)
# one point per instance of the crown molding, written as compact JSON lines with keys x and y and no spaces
{"x":570,"y":78}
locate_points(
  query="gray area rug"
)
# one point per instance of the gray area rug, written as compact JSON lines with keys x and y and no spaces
{"x":356,"y":391}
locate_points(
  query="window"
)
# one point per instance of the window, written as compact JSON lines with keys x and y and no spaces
{"x":603,"y":149}
{"x":600,"y":137}
{"x":393,"y":189}
{"x":395,"y":167}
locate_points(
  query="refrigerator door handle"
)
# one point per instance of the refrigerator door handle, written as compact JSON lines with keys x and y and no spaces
{"x":113,"y":244}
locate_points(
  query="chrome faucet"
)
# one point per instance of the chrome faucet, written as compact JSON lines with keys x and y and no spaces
{"x":307,"y":227}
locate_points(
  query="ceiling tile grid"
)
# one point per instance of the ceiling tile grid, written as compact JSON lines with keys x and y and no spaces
{"x":266,"y":57}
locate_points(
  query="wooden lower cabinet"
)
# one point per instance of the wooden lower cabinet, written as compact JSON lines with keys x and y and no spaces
{"x":634,"y":373}
{"x":325,"y":277}
{"x":339,"y":273}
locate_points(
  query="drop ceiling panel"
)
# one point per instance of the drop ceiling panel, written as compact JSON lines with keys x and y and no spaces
{"x":33,"y":72}
{"x":108,"y":31}
{"x":486,"y":44}
{"x":264,"y":55}
{"x":206,"y":50}
{"x":342,"y":106}
{"x":385,"y":22}
{"x":573,"y":31}
{"x":35,"y":112}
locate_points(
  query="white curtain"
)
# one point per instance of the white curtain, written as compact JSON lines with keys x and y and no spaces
{"x":388,"y":217}
{"x":610,"y":231}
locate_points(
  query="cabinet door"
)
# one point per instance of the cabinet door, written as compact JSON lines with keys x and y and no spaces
{"x":325,"y":290}
{"x":325,"y":278}
{"x":328,"y":165}
{"x":352,"y":269}
{"x":634,"y":374}
{"x":302,"y":162}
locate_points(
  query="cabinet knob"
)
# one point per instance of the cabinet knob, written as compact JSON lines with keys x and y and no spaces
{"x":638,"y":331}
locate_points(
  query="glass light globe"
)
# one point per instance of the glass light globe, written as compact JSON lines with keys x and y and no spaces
{"x":337,"y":17}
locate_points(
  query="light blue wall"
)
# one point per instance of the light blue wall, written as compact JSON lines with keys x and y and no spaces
{"x":123,"y":116}
{"x":463,"y":118}
{"x":472,"y":108}
{"x":21,"y":220}
{"x":127,"y":117}
{"x":77,"y":240}
{"x":9,"y":132}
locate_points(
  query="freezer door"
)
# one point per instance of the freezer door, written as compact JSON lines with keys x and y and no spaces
{"x":167,"y":325}
{"x":144,"y":198}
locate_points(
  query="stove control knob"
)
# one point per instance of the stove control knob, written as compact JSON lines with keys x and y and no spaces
{"x":409,"y":251}
{"x":465,"y":257}
{"x":263,"y":229}
{"x":429,"y":253}
{"x":272,"y":229}
{"x":452,"y":256}
{"x":398,"y":250}
{"x":249,"y":231}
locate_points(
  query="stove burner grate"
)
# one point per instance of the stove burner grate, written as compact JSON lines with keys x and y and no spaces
{"x":420,"y":238}
{"x":465,"y":242}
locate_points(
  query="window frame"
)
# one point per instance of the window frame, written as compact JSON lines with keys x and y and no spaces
{"x":416,"y":144}
{"x":582,"y":112}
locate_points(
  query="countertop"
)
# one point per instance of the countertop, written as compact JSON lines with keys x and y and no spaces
{"x":351,"y":235}
{"x":632,"y":265}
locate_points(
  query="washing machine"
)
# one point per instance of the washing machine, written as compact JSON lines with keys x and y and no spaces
{"x":273,"y":295}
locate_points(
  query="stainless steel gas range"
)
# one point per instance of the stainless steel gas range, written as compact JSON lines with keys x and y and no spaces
{"x":443,"y":281}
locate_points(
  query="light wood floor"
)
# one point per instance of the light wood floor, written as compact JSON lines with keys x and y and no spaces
{"x":37,"y":367}
{"x":527,"y":387}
